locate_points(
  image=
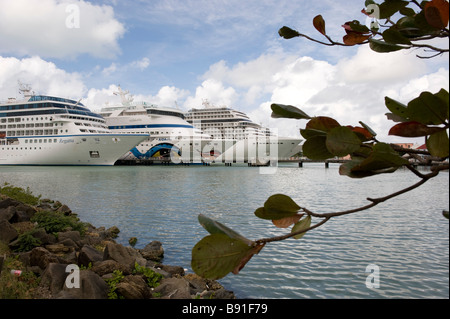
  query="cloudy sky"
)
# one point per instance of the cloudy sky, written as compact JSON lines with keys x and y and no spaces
{"x":180,"y":52}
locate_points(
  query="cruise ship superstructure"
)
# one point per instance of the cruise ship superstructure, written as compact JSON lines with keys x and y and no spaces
{"x":236,"y":138}
{"x":48,"y":130}
{"x":171,"y":137}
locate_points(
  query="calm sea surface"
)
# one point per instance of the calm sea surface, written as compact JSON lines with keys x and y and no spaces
{"x":407,"y":238}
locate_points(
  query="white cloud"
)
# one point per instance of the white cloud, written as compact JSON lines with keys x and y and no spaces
{"x":213,"y":91}
{"x":350,"y":91}
{"x":44,"y":78}
{"x":58,"y":29}
{"x":167,"y":96}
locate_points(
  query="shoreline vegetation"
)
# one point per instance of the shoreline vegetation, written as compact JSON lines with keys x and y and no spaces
{"x":47,"y":252}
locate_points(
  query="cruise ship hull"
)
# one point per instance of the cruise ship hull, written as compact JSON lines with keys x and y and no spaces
{"x":92,"y":149}
{"x":252,"y":150}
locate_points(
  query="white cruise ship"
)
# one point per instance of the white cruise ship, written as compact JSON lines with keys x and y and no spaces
{"x":236,"y":138}
{"x":47,"y":130}
{"x":171,"y":137}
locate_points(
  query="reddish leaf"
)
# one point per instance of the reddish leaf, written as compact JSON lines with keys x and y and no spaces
{"x":322,"y":123}
{"x":437,"y":13}
{"x":319,"y":24}
{"x":353,"y":38}
{"x":254,"y":250}
{"x":413,"y":129}
{"x":287,"y":221}
{"x":362,"y":131}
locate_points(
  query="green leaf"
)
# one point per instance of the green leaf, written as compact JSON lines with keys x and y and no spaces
{"x":395,"y":37}
{"x":341,"y":141}
{"x":397,"y":108}
{"x":216,"y":255}
{"x":382,"y":159}
{"x":214,"y":227}
{"x":288,"y":33}
{"x":368,"y":128}
{"x":390,"y":7}
{"x":288,"y":111}
{"x":277,"y":206}
{"x":438,"y":144}
{"x":428,"y":109}
{"x":308,"y":133}
{"x":303,"y":224}
{"x":443,"y":95}
{"x":383,"y":47}
{"x":315,"y":148}
{"x":407,"y":12}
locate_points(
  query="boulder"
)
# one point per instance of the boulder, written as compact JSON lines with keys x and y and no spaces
{"x":89,"y":255}
{"x":123,"y":255}
{"x":42,"y":257}
{"x":7,"y":213}
{"x":153,"y":251}
{"x":7,"y":231}
{"x":91,"y":287}
{"x":54,"y":277}
{"x":73,"y":235}
{"x":108,"y":266}
{"x":23,"y":213}
{"x":174,"y":288}
{"x":133,"y":287}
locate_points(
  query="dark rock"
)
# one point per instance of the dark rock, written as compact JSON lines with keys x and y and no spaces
{"x":174,"y":288}
{"x":42,"y":257}
{"x":89,"y":255}
{"x":5,"y":203}
{"x":7,"y":231}
{"x":172,"y":270}
{"x":58,"y":248}
{"x":91,"y":287}
{"x":108,"y":266}
{"x":153,"y":251}
{"x":65,"y":210}
{"x":74,"y":235}
{"x":54,"y":277}
{"x":7,"y":213}
{"x":23,"y":213}
{"x":123,"y":255}
{"x":133,"y":287}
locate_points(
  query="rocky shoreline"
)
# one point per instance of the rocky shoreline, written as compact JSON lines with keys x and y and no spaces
{"x":89,"y":258}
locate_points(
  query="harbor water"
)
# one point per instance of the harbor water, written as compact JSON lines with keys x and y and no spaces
{"x":398,"y":249}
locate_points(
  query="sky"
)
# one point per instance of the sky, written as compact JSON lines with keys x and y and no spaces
{"x":178,"y":53}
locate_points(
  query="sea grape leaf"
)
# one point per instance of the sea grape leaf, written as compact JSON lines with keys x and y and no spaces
{"x":303,"y":224}
{"x":308,"y":133}
{"x":384,"y":47}
{"x":382,"y":159}
{"x":438,"y":144}
{"x":372,"y":132}
{"x":395,"y":37}
{"x":214,"y":256}
{"x":322,"y":123}
{"x":315,"y":148}
{"x":214,"y":227}
{"x":389,"y":8}
{"x":319,"y":24}
{"x":397,"y":108}
{"x":287,"y":221}
{"x":444,"y":96}
{"x":288,"y":111}
{"x":428,"y":109}
{"x":278,"y":206}
{"x":341,"y":141}
{"x":353,"y":38}
{"x":437,"y":13}
{"x":288,"y":33}
{"x":413,"y":129}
